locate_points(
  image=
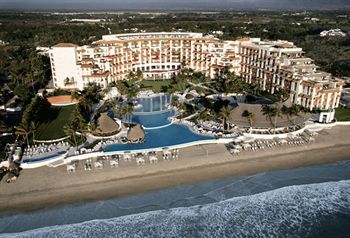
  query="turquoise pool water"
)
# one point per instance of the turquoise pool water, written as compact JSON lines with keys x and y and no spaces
{"x":159,"y":132}
{"x":153,"y":120}
{"x":170,"y":135}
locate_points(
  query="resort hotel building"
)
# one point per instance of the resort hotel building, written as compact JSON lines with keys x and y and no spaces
{"x":271,"y":65}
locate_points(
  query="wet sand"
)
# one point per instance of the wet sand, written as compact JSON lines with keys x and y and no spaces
{"x":48,"y":187}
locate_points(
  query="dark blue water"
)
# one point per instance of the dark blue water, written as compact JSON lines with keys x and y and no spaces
{"x":304,"y":202}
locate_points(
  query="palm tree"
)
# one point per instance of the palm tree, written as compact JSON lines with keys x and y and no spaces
{"x":33,"y":127}
{"x":257,"y":89}
{"x":203,"y":115}
{"x":91,"y":127}
{"x":70,"y":131}
{"x":75,"y":95}
{"x":118,"y":110}
{"x":86,"y":104}
{"x":23,"y":130}
{"x":250,"y":117}
{"x":225,"y":114}
{"x":282,"y":94}
{"x":267,"y":111}
{"x":132,"y":92}
{"x":276,"y":112}
{"x":286,"y":111}
{"x":128,"y":110}
{"x":174,"y":101}
{"x":294,"y":111}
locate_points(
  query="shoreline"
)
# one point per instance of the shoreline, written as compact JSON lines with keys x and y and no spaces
{"x":50,"y":187}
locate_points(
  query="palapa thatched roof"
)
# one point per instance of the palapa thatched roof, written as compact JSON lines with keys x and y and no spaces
{"x":136,"y":133}
{"x":263,"y":121}
{"x":106,"y":126}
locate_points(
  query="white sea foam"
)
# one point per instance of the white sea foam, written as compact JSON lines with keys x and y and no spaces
{"x":286,"y":212}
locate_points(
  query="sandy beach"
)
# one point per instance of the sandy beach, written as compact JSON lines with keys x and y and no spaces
{"x":48,"y":187}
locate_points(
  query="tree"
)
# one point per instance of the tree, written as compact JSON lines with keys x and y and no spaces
{"x":23,"y":130}
{"x":127,"y":111}
{"x":122,"y":87}
{"x":91,"y":127}
{"x":225,"y":114}
{"x":282,"y":94}
{"x":75,"y":95}
{"x":76,"y":123}
{"x":33,"y":127}
{"x":267,"y":111}
{"x":175,"y":101}
{"x":203,"y":115}
{"x":132,"y":91}
{"x":135,"y":76}
{"x":276,"y":112}
{"x":250,"y":117}
{"x":257,"y":89}
{"x":294,"y":111}
{"x":70,"y":131}
{"x":2,"y":97}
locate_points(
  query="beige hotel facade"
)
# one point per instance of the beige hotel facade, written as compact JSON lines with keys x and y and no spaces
{"x":270,"y":64}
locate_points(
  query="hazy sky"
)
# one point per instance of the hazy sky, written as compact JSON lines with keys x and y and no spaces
{"x":174,"y":4}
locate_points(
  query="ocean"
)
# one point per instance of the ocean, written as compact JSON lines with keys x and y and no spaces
{"x":304,"y":202}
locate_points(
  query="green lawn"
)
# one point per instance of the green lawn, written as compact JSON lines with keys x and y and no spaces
{"x":342,"y":114}
{"x":155,"y":85}
{"x":52,"y":120}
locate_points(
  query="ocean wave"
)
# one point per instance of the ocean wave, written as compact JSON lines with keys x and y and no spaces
{"x":294,"y":211}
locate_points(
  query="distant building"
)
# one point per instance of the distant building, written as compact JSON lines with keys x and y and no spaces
{"x":217,"y":33}
{"x":333,"y":32}
{"x":43,"y":50}
{"x":273,"y":65}
{"x":87,"y":20}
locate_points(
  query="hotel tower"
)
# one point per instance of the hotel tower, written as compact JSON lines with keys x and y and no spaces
{"x":270,"y":64}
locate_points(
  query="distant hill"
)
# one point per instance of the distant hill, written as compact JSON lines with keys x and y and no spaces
{"x":177,"y":5}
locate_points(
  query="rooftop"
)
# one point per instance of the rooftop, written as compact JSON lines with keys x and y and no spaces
{"x":64,"y":45}
{"x":148,"y":35}
{"x":106,"y":126}
{"x":136,"y":133}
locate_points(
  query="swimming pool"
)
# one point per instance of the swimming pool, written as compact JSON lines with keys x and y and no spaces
{"x":154,"y":103}
{"x":159,"y":132}
{"x":171,"y":135}
{"x":153,"y":120}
